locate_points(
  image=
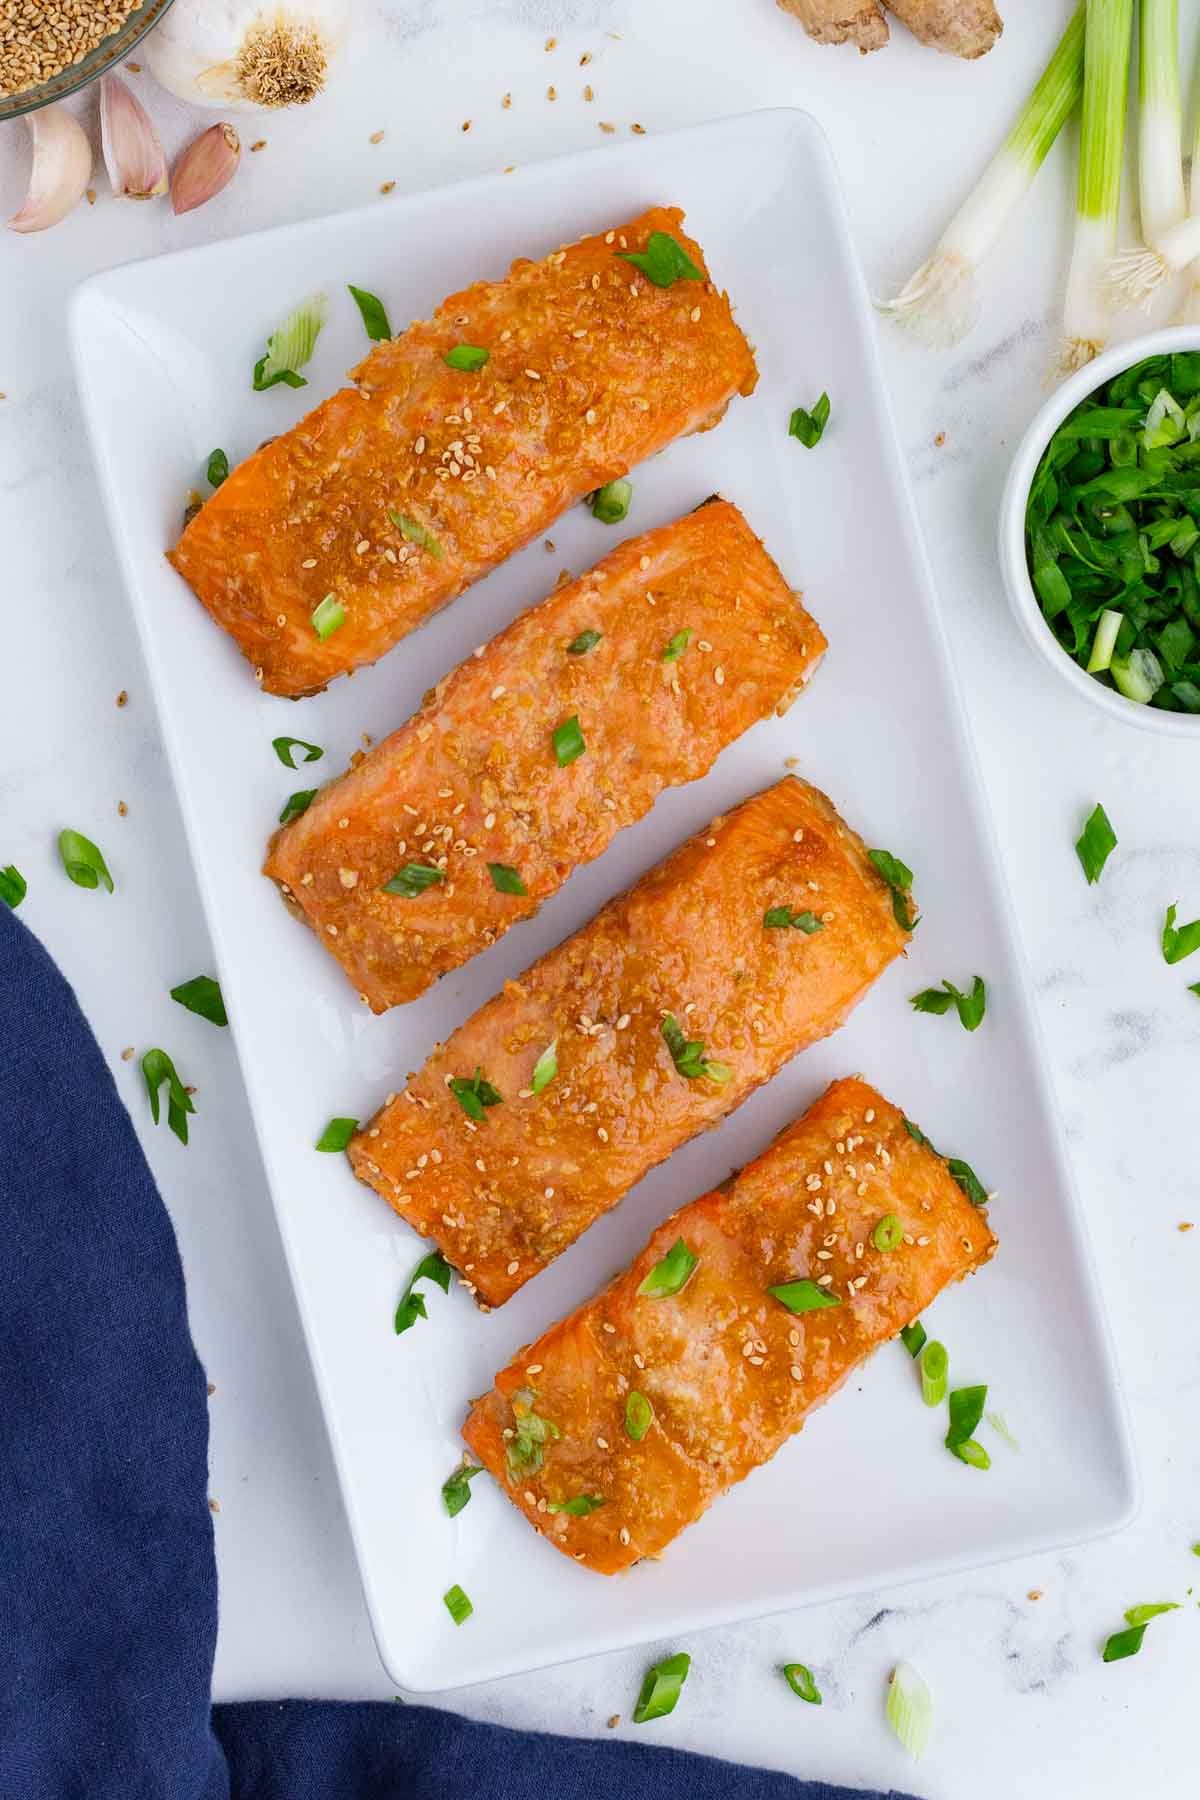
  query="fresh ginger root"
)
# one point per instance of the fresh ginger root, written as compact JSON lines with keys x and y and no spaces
{"x":961,"y":27}
{"x":858,"y":22}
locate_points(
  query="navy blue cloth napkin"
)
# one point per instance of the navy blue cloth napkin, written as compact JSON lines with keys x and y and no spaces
{"x":108,"y":1588}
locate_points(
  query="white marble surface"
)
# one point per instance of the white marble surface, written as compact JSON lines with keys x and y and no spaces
{"x":1024,"y":1705}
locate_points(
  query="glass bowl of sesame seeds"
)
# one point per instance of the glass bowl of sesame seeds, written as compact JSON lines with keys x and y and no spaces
{"x":51,"y":48}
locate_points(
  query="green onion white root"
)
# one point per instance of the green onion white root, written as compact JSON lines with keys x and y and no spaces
{"x":939,"y":303}
{"x":1170,"y":240}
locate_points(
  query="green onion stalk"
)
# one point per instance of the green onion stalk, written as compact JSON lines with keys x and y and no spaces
{"x":1189,"y":312}
{"x":939,"y":303}
{"x":1136,"y":275}
{"x":1101,"y":146}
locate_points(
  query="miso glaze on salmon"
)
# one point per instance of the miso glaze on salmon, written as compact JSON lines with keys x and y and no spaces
{"x":398,"y":492}
{"x":654,"y":1021}
{"x":664,"y":653}
{"x":641,"y":1409}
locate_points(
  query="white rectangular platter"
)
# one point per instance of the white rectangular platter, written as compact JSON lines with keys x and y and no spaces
{"x":164,"y":351}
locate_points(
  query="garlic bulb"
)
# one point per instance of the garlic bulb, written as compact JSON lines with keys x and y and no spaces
{"x":62,"y":163}
{"x":246,"y":54}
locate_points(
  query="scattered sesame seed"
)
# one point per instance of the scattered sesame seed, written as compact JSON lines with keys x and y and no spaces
{"x":466,"y":125}
{"x":601,"y":1443}
{"x":386,"y":187}
{"x":376,"y":137}
{"x":797,"y":1373}
{"x":638,"y":130}
{"x":127,"y":1053}
{"x":552,"y":93}
{"x":623,"y":1534}
{"x":869,"y":1116}
{"x":499,"y":692}
{"x":513,"y":1266}
{"x":506,"y":102}
{"x":719,"y":675}
{"x":259,"y":144}
{"x":611,"y":1329}
{"x":606,"y":126}
{"x":122,"y":698}
{"x":533,"y":375}
{"x":694,"y":315}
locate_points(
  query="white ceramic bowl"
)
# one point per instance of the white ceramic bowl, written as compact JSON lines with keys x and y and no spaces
{"x":1013,"y":563}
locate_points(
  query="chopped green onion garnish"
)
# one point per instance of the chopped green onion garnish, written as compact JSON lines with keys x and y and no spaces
{"x":688,"y":1055}
{"x":809,"y":426}
{"x":295,"y":804}
{"x":13,"y":886}
{"x":285,"y":749}
{"x":336,"y":1135}
{"x":782,"y":918}
{"x":967,"y":1180}
{"x":913,"y":1337}
{"x":417,"y":534}
{"x":674,"y":647}
{"x":915,"y":1132}
{"x":202,"y":995}
{"x":526,"y":1448}
{"x":467,"y":356}
{"x":639,"y":1415}
{"x":799,"y":1678}
{"x":899,"y":878}
{"x":663,"y":261}
{"x":474,"y":1094}
{"x":1124,"y":1643}
{"x":671,"y":1275}
{"x":802,"y":1296}
{"x":973,"y":1453}
{"x":457,"y":1604}
{"x":1142,"y":1615}
{"x":217,"y":468}
{"x":374,"y":315}
{"x":587,"y":640}
{"x":505,"y":879}
{"x":935,"y":1368}
{"x":413,"y":879}
{"x":1178,"y":942}
{"x":661,"y":1688}
{"x":83,"y":861}
{"x":888,"y":1233}
{"x":578,"y":1506}
{"x":157,"y":1067}
{"x":1104,"y":642}
{"x":545,"y":1068}
{"x":432,"y":1267}
{"x":456,"y":1489}
{"x":1111,"y":534}
{"x":909,"y":1708}
{"x":568,"y":741}
{"x":966,"y":1410}
{"x":291,"y":345}
{"x":327,"y":616}
{"x":610,"y":503}
{"x":971,"y":1007}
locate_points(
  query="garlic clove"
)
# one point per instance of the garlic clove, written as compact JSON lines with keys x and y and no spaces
{"x":62,"y":163}
{"x":243,"y":55}
{"x":133,"y":155}
{"x":207,"y":165}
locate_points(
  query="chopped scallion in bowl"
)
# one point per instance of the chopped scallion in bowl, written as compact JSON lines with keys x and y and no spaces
{"x":1100,"y":531}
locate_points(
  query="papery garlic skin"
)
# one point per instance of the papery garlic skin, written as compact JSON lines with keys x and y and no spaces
{"x":133,"y":155}
{"x":62,"y":165}
{"x":207,"y":165}
{"x":244,"y":55}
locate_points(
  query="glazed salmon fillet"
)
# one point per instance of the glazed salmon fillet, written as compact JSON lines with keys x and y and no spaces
{"x":656,"y":1019}
{"x":398,"y":492}
{"x":718,"y":1375}
{"x":664,"y":653}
